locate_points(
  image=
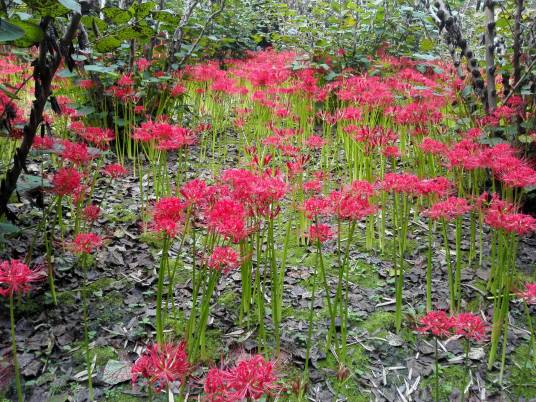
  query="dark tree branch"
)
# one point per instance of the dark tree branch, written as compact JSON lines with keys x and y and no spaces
{"x":489,"y":35}
{"x":45,"y":66}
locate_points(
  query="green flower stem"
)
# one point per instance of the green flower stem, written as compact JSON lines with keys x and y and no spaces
{"x":18,"y":385}
{"x":160,"y":289}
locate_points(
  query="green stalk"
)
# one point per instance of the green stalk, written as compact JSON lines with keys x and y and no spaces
{"x":160,"y":289}
{"x":331,"y":332}
{"x":429,"y":267}
{"x":436,"y":372}
{"x":449,"y":267}
{"x":457,"y":279}
{"x":20,"y":395}
{"x":85,"y":315}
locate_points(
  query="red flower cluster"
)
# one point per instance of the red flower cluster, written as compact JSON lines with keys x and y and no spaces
{"x":228,"y":219}
{"x":470,"y":326}
{"x":251,"y":378}
{"x":439,"y":324}
{"x":162,"y":366}
{"x":15,"y":277}
{"x":224,"y":259}
{"x":529,"y":294}
{"x":165,"y":136}
{"x":66,"y":181}
{"x":452,"y":207}
{"x":502,"y":215}
{"x":85,"y":243}
{"x":91,"y":213}
{"x":115,"y":170}
{"x":167,"y":215}
{"x":320,"y":232}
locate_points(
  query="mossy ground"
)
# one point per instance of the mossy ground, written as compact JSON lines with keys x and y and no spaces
{"x":523,"y":373}
{"x":450,"y":378}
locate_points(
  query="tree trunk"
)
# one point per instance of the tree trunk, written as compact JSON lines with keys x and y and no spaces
{"x":489,"y":38}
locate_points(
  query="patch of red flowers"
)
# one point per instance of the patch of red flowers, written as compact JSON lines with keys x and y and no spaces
{"x":66,"y":181}
{"x":16,"y":277}
{"x":86,"y":243}
{"x":162,"y":366}
{"x":224,"y":259}
{"x":251,"y":379}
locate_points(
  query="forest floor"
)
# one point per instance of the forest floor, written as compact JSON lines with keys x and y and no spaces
{"x":384,"y":366}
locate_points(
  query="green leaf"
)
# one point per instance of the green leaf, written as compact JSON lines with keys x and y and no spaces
{"x":50,"y":8}
{"x":71,"y":5}
{"x":142,"y":10}
{"x":116,"y":15}
{"x":7,"y":92}
{"x":107,"y":44}
{"x":28,"y":182}
{"x":9,"y":32}
{"x":32,"y":34}
{"x":98,"y":68}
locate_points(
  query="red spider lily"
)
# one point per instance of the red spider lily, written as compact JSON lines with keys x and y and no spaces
{"x":78,"y":154}
{"x":350,"y":113}
{"x":312,"y":186}
{"x":452,"y":207}
{"x":391,"y":151}
{"x":470,"y":326}
{"x":466,"y":154}
{"x":115,"y":170}
{"x":195,"y":192}
{"x":100,"y":137}
{"x":316,"y":206}
{"x":227,"y":218}
{"x":434,"y":147}
{"x":143,"y":64}
{"x":438,"y":323}
{"x":15,"y":277}
{"x":125,"y":80}
{"x":215,"y":387}
{"x":91,"y":213}
{"x":257,"y":192}
{"x":320,"y":232}
{"x":180,"y":137}
{"x":45,"y":142}
{"x":401,"y":183}
{"x":315,"y":142}
{"x":297,"y":166}
{"x":162,"y":366}
{"x":85,"y":243}
{"x":177,"y":90}
{"x":167,"y":215}
{"x":86,"y":84}
{"x":224,"y":259}
{"x":439,"y":186}
{"x":251,"y":378}
{"x":529,"y":294}
{"x":354,"y":208}
{"x":66,"y":181}
{"x":501,"y":215}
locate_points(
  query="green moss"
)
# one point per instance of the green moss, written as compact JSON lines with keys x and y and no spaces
{"x":182,"y":274}
{"x":103,"y":353}
{"x":357,"y":363}
{"x":379,"y":323}
{"x":152,"y":239}
{"x":229,"y":299}
{"x":100,"y":284}
{"x":523,"y":372}
{"x":121,"y":214}
{"x":450,"y":378}
{"x":117,"y":395}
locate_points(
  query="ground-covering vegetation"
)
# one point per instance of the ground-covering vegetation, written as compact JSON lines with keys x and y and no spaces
{"x":235,"y":201}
